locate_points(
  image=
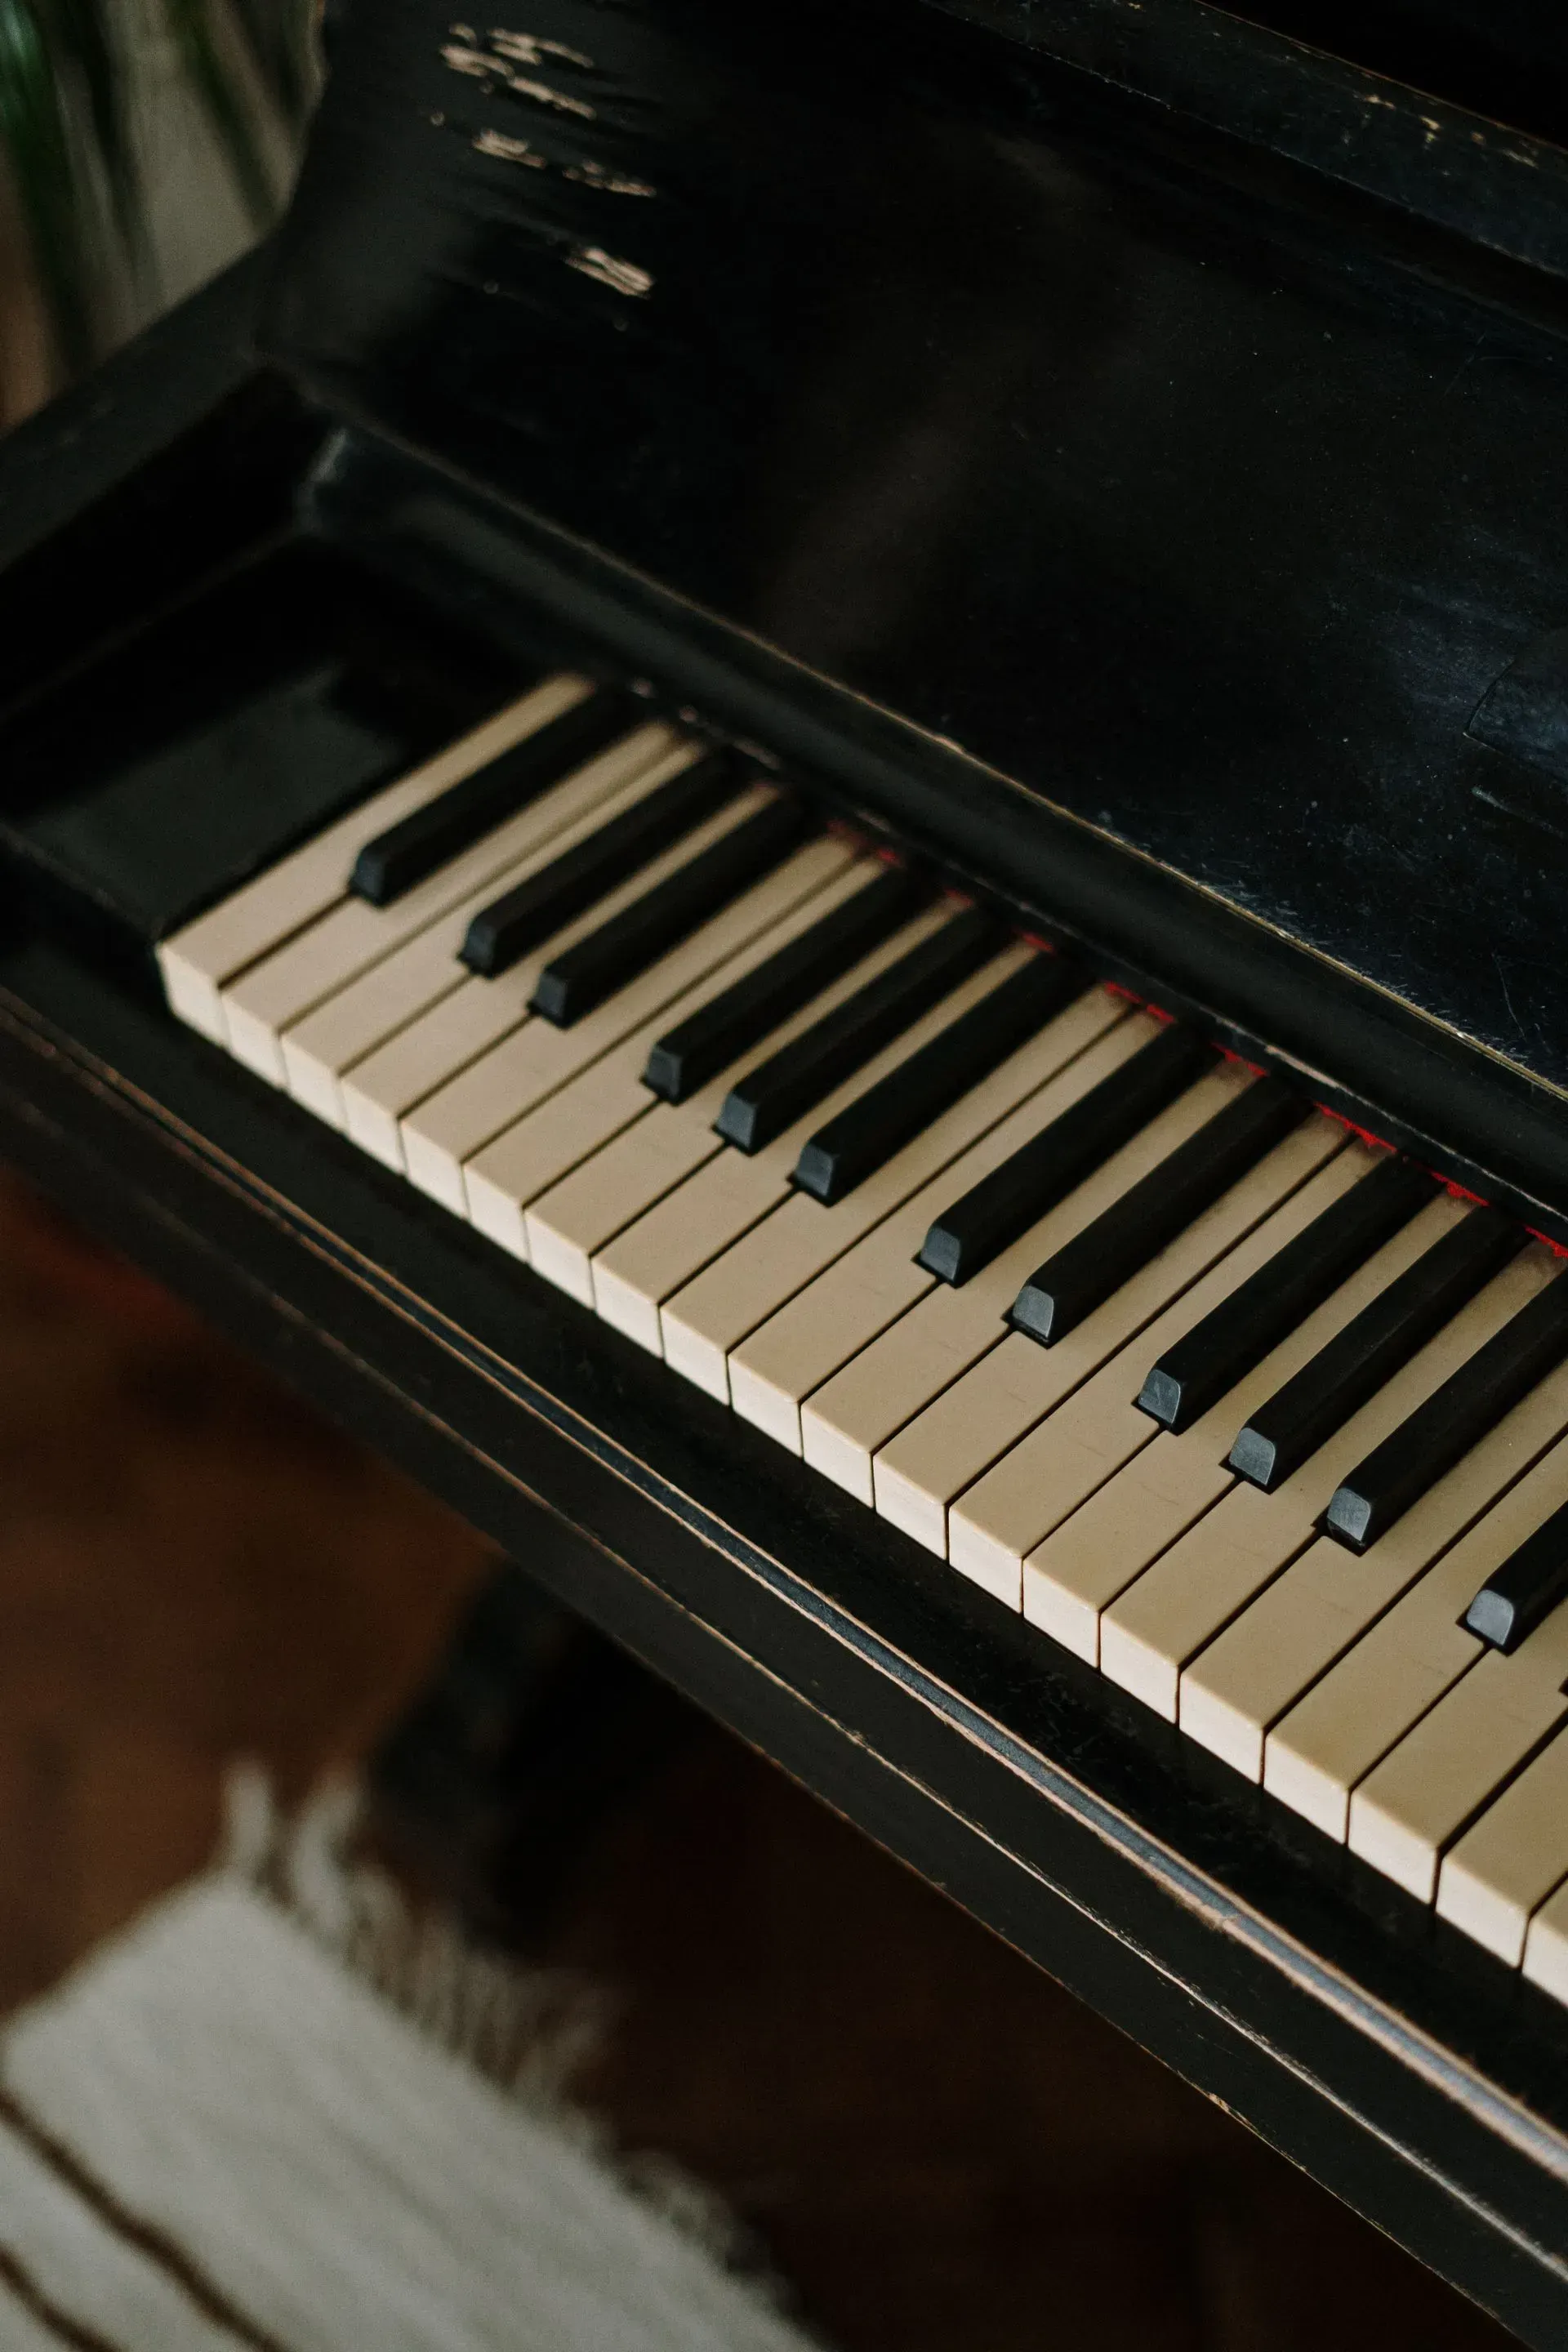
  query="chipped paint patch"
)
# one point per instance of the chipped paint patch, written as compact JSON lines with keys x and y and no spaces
{"x":508,"y":151}
{"x":622,"y":276}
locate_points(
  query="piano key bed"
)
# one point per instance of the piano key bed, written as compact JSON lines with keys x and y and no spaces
{"x":1250,"y":1414}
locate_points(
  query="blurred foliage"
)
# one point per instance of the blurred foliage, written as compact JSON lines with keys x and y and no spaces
{"x":69,"y":130}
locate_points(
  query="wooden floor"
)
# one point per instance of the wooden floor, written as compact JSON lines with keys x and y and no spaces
{"x":939,"y":2150}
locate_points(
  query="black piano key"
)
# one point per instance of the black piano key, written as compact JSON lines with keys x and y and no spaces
{"x":994,"y":1212}
{"x":868,"y":1132}
{"x":784,"y":1087}
{"x":1228,"y":1344}
{"x":741,"y":1015}
{"x":1471,"y":1402}
{"x":585,"y":974}
{"x":504,"y":930}
{"x":1521,"y":1593}
{"x":406,"y":853}
{"x":1390,"y":1328}
{"x":1081,"y":1276}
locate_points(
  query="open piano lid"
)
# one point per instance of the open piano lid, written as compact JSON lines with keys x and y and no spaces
{"x":1166,"y":417}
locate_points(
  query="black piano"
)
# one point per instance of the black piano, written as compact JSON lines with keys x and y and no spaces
{"x":804,"y":792}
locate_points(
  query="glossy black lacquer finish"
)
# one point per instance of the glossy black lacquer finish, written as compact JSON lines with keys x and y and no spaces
{"x":1201,"y":507}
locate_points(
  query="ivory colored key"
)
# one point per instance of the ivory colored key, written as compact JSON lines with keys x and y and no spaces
{"x":1312,"y":1613}
{"x":652,"y":1259}
{"x":1516,"y":1855}
{"x":1331,"y":1739}
{"x":1090,"y":1425}
{"x":284,"y":986}
{"x":448,"y":1130}
{"x":1546,"y":1946}
{"x":915,"y":1359}
{"x":844,"y":1309}
{"x":521,"y":1171}
{"x":1182,"y":1603}
{"x":1236,"y":1688}
{"x":198,"y":958}
{"x":1417,"y":1799}
{"x":1079,"y":1571}
{"x":448,"y":1110}
{"x":768,"y":1265}
{"x":939,"y":1469}
{"x":600,"y":1199}
{"x":382,"y":1001}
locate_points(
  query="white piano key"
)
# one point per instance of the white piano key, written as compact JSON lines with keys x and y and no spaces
{"x":844,"y":1309}
{"x":770,"y":1264}
{"x":1546,"y":1946}
{"x":274,"y":993}
{"x":652,"y":1258}
{"x":1413,"y":1804}
{"x":1182,"y":1602}
{"x":1076,"y":1573}
{"x":1333,"y":1737}
{"x":582,"y":1215}
{"x":961,"y":1477}
{"x":1228,"y":1692}
{"x":385,"y":1001}
{"x":433,"y":1134}
{"x":920,"y":1355}
{"x":521,"y":1173}
{"x":449,"y":1039}
{"x":1317,"y":1607}
{"x":198,"y":958}
{"x":455,"y":1122}
{"x":1087,"y":1425}
{"x":1516,"y":1855}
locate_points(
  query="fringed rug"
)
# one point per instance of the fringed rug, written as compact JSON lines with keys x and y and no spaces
{"x":280,"y":2114}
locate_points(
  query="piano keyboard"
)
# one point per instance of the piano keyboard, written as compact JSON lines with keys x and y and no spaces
{"x":1251,"y":1414}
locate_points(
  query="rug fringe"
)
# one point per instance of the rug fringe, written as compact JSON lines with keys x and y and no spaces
{"x":527,"y":2030}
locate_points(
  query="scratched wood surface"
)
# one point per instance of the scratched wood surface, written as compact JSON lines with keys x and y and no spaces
{"x":939,"y":2150}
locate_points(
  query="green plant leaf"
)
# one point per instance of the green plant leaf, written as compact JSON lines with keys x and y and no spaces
{"x":33,"y":128}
